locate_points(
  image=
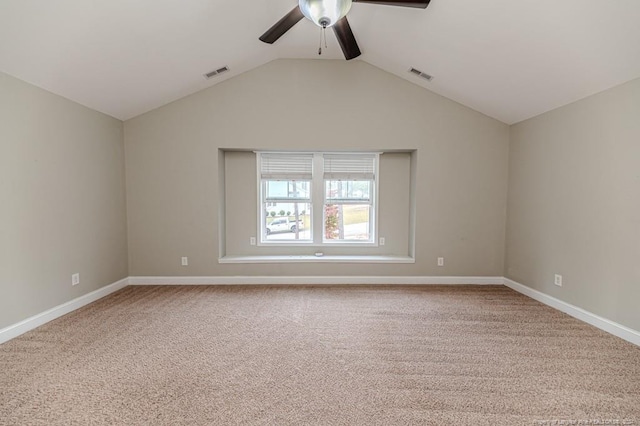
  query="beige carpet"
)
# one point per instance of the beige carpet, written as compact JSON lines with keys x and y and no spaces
{"x":318,"y":355}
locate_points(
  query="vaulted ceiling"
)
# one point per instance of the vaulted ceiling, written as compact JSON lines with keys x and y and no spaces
{"x":509,"y":59}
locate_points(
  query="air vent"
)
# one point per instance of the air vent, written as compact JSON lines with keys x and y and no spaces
{"x":421,"y":74}
{"x":213,"y":73}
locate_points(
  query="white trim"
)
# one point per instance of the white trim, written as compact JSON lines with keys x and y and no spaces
{"x":37,"y":320}
{"x":314,"y":280}
{"x":374,"y":223}
{"x":295,"y":258}
{"x":316,"y":194}
{"x":604,"y":324}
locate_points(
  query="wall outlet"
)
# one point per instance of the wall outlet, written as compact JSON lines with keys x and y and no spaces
{"x":441,"y":261}
{"x":558,"y":280}
{"x":382,"y":241}
{"x":185,"y":261}
{"x":75,"y":279}
{"x":252,"y":241}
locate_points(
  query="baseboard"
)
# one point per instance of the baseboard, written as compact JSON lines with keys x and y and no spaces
{"x":314,"y":280}
{"x":22,"y":327}
{"x":609,"y":326}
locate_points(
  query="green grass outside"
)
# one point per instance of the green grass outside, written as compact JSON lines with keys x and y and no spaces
{"x":355,"y":214}
{"x":351,"y":214}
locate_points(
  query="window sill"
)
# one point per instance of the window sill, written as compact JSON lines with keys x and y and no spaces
{"x":346,"y":243}
{"x":316,"y":259}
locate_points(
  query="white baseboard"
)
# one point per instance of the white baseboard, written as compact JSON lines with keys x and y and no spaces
{"x":17,"y":329}
{"x":313,"y":280}
{"x":609,"y":326}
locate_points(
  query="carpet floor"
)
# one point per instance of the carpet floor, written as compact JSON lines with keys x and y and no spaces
{"x":321,"y":355}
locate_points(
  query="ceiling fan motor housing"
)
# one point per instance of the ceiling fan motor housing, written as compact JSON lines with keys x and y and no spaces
{"x":325,"y":13}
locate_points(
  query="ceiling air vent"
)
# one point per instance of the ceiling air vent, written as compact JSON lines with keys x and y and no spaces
{"x":216,"y":72}
{"x":421,"y":74}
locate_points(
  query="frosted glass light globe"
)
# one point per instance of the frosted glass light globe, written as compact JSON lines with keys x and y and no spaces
{"x":325,"y":13}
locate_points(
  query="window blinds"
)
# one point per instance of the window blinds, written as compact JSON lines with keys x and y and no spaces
{"x":350,"y":166}
{"x":284,"y":166}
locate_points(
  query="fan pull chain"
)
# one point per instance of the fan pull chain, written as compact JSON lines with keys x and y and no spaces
{"x":323,"y":35}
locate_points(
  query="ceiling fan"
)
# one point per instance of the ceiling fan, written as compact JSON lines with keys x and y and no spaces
{"x":330,"y":13}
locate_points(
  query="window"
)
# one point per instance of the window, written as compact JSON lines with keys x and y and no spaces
{"x":348,"y":187}
{"x":317,"y":198}
{"x":285,"y":192}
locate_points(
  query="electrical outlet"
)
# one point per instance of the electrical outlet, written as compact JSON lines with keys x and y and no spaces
{"x":382,"y":241}
{"x":75,"y":279}
{"x":441,"y":261}
{"x":185,"y":261}
{"x":252,"y":241}
{"x":558,"y":280}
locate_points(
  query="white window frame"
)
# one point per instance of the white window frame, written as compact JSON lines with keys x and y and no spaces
{"x":318,"y":201}
{"x":300,"y":174}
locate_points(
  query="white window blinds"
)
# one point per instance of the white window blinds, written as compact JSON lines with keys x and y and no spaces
{"x":283,"y":166}
{"x":357,"y":166}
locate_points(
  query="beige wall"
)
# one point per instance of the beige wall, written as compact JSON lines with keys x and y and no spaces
{"x":63,"y":205}
{"x":574,"y":203}
{"x":172,"y":161}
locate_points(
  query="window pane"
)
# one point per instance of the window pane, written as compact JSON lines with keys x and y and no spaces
{"x":356,"y":190}
{"x":347,"y":222}
{"x":286,"y":222}
{"x":286,"y":189}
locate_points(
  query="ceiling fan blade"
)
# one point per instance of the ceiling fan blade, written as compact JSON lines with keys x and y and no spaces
{"x":282,"y":26}
{"x":411,"y":3}
{"x":346,"y":39}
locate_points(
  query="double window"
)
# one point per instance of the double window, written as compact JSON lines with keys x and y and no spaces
{"x":317,"y":198}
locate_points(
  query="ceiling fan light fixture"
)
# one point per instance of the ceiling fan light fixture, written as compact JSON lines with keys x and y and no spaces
{"x":325,"y":13}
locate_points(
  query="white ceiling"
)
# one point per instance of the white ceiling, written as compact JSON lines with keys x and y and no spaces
{"x":509,"y":59}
